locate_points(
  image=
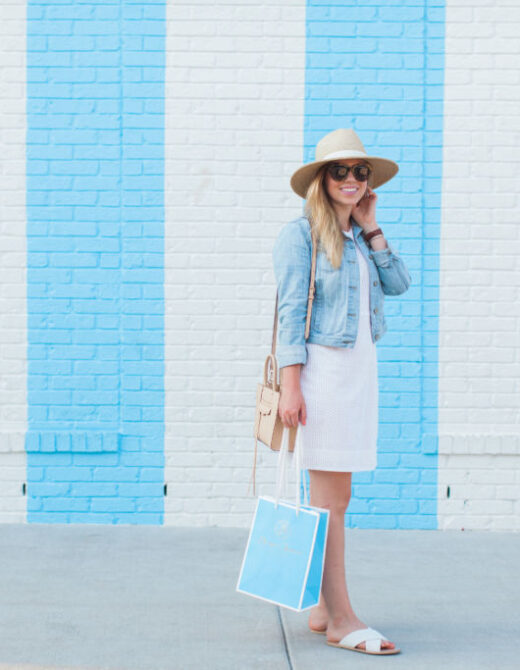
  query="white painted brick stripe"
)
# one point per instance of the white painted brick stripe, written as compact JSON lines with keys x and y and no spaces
{"x":13,"y":313}
{"x":479,"y":359}
{"x":234,"y":131}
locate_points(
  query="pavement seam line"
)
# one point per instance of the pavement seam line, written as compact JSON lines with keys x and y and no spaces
{"x":284,"y":637}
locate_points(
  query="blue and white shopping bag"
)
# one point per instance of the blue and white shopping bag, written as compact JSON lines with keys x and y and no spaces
{"x":285,"y":552}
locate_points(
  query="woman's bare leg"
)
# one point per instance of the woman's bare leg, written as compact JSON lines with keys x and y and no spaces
{"x":332,"y":490}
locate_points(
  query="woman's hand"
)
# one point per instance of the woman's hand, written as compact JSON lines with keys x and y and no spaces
{"x":291,"y":407}
{"x":365,"y":211}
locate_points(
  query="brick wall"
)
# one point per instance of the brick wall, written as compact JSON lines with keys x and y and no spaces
{"x":95,"y":254}
{"x":132,"y":337}
{"x":234,"y":126}
{"x":13,"y":331}
{"x":479,"y":343}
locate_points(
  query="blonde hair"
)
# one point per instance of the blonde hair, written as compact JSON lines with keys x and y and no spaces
{"x":322,"y":217}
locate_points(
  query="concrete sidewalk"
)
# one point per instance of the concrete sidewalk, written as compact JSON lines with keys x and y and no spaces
{"x":154,"y":598}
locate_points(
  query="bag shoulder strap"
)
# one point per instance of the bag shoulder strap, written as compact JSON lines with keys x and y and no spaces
{"x":310,"y":296}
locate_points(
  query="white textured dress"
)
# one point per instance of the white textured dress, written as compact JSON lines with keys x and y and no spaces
{"x":340,"y":389}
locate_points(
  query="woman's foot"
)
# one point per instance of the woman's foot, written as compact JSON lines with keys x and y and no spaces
{"x":337,"y":631}
{"x":318,"y":619}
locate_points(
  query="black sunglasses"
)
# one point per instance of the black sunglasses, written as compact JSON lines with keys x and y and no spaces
{"x":339,"y":172}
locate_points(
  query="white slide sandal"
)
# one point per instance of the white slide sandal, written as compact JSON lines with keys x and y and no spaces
{"x":372,"y":639}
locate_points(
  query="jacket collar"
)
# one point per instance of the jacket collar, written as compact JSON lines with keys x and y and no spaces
{"x":357,"y":230}
{"x":355,"y":225}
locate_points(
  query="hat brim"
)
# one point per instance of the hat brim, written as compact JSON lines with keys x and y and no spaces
{"x":383,"y":170}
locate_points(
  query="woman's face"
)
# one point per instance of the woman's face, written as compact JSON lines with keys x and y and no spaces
{"x":349,"y":191}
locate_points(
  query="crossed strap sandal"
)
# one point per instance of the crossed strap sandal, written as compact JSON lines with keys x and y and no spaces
{"x":372,"y":639}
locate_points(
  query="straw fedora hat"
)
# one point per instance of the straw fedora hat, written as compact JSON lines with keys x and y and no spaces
{"x":337,"y":145}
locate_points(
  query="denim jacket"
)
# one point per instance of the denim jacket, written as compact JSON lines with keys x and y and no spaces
{"x":334,"y":319}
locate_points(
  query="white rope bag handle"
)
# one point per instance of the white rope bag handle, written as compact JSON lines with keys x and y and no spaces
{"x":281,"y":473}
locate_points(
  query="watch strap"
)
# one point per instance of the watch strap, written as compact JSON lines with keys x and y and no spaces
{"x":371,"y":234}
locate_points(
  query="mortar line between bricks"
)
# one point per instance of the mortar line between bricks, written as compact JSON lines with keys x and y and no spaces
{"x":284,"y":637}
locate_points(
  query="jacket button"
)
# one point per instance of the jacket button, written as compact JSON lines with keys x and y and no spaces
{"x":375,"y":310}
{"x":376,"y":337}
{"x":376,"y":282}
{"x":353,"y":287}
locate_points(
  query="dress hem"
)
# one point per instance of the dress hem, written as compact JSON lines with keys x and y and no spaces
{"x":337,"y":468}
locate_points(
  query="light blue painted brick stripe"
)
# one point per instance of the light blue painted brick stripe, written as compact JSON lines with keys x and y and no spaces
{"x":377,"y":66}
{"x":95,"y":278}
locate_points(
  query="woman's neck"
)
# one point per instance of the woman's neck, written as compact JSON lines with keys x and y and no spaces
{"x":344,"y":217}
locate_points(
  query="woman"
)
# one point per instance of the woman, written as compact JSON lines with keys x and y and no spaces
{"x":329,"y":383}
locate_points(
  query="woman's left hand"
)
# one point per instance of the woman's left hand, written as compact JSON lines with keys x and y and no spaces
{"x":365,"y":211}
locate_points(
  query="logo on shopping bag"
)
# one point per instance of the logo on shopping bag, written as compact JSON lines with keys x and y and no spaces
{"x":281,"y":527}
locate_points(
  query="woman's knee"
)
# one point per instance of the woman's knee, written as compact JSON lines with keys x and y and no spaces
{"x":335,"y":507}
{"x":331,"y":490}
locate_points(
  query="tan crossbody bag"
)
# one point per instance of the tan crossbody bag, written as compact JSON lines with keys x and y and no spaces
{"x":268,"y":424}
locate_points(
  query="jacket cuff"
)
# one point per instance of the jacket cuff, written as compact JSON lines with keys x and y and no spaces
{"x":290,"y":354}
{"x":382,"y":256}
